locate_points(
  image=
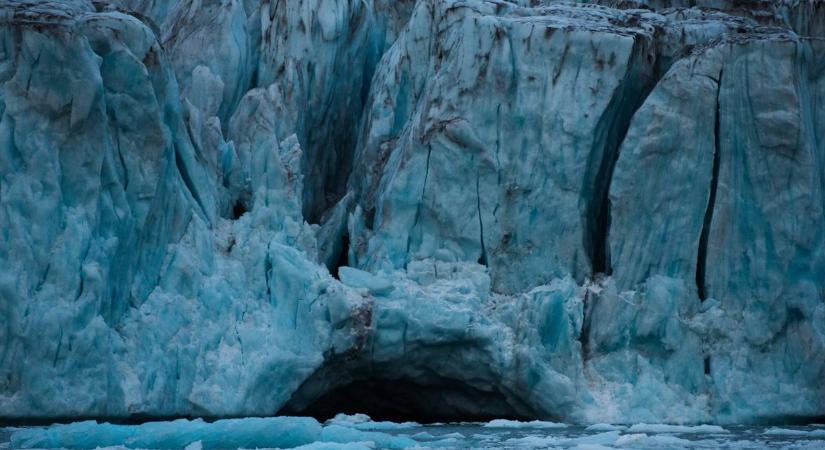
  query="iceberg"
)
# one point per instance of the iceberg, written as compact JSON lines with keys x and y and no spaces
{"x":272,"y":432}
{"x":526,"y":212}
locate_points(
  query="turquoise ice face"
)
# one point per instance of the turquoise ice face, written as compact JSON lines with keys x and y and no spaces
{"x":525,"y":209}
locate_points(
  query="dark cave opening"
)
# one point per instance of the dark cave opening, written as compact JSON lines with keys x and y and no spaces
{"x":342,"y":259}
{"x":405,"y":400}
{"x":238,"y":210}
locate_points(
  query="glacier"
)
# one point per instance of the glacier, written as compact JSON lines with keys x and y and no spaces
{"x":587,"y":212}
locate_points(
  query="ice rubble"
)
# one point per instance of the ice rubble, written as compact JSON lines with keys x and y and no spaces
{"x":484,"y":208}
{"x":341,"y":433}
{"x":274,"y":432}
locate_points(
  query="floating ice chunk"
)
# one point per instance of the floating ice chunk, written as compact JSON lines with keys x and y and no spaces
{"x":533,"y":441}
{"x":422,"y":435}
{"x":645,"y":441}
{"x":606,"y":438}
{"x":453,"y":435}
{"x":356,"y":278}
{"x":78,"y":435}
{"x":776,"y":431}
{"x":605,"y":427}
{"x":349,"y":419}
{"x":591,"y":447}
{"x":448,"y":442}
{"x":663,"y":428}
{"x":378,"y":426}
{"x":504,"y":423}
{"x":342,"y":434}
{"x":197,"y":445}
{"x":630,"y":439}
{"x":337,"y":446}
{"x":272,"y":432}
{"x":810,"y":445}
{"x":365,"y":423}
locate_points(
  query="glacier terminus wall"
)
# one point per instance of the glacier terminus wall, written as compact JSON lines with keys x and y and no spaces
{"x":595,"y":211}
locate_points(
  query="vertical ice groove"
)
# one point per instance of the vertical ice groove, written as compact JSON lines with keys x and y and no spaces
{"x":483,"y":259}
{"x":186,"y":177}
{"x":59,"y":346}
{"x":268,"y":272}
{"x":701,"y":258}
{"x":498,"y":144}
{"x":584,"y":334}
{"x":638,"y":82}
{"x":423,"y":193}
{"x":122,"y":163}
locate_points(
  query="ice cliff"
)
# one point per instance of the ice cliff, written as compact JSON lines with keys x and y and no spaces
{"x":591,"y":212}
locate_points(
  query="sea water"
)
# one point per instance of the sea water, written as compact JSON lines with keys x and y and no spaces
{"x":360,"y":432}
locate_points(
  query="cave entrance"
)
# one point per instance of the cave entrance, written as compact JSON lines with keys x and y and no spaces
{"x":405,"y":400}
